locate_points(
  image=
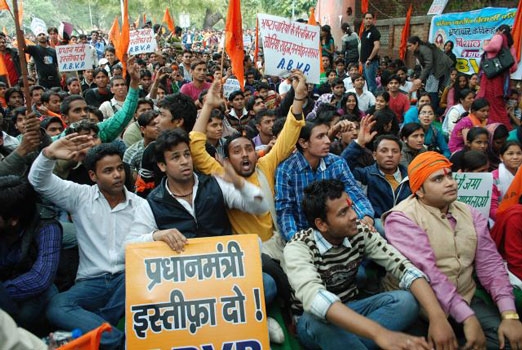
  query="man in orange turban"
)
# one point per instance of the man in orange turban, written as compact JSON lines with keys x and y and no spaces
{"x":450,"y":242}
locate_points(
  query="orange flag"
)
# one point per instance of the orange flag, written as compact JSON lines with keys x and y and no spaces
{"x":123,"y":41}
{"x":311,"y":19}
{"x":234,"y":40}
{"x":313,"y":22}
{"x":114,"y":32}
{"x":512,"y":194}
{"x":405,"y":34}
{"x":364,"y":6}
{"x":517,"y":31}
{"x":3,"y":68}
{"x":4,"y":5}
{"x":168,"y":20}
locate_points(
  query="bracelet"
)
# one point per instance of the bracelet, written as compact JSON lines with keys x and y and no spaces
{"x":299,"y":99}
{"x":510,"y":316}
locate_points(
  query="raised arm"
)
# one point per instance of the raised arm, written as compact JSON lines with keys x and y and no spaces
{"x":111,"y":128}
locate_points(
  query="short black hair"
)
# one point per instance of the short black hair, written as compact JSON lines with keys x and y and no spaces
{"x":306,"y":131}
{"x":473,"y":160}
{"x":66,"y":103}
{"x":231,"y":138}
{"x":181,"y":107}
{"x":99,"y":152}
{"x":389,"y":137}
{"x":17,"y":198}
{"x":234,"y":94}
{"x":167,"y":140}
{"x":96,"y":112}
{"x":261,"y":114}
{"x":146,"y":117}
{"x":46,"y":96}
{"x":315,"y":197}
{"x":82,"y":125}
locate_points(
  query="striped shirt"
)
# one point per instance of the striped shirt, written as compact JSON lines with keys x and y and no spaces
{"x":321,"y":274}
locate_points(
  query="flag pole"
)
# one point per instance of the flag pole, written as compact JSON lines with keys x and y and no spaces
{"x":21,"y":50}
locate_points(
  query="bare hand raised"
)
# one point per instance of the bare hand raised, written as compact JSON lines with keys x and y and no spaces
{"x":69,"y":147}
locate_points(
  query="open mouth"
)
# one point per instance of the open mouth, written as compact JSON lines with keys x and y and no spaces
{"x":245,"y":165}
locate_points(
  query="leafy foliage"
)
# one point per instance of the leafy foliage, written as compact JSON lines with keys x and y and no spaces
{"x":90,"y":14}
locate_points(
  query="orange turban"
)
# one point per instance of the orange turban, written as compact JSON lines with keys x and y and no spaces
{"x":423,"y":165}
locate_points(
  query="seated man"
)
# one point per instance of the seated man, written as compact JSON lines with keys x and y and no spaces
{"x":321,"y":263}
{"x":313,"y":161}
{"x":103,"y":215}
{"x":449,"y":241}
{"x":187,"y":204}
{"x":74,"y":108}
{"x":29,"y":253}
{"x":241,"y":153}
{"x":386,"y":181}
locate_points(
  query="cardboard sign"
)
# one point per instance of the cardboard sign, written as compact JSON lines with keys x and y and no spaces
{"x":208,"y":297}
{"x":475,"y":190}
{"x":290,"y":45}
{"x":437,"y":6}
{"x":74,"y":57}
{"x":142,"y":41}
{"x":38,"y":26}
{"x":230,"y":86}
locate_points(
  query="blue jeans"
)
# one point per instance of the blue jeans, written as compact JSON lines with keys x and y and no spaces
{"x":27,"y":313}
{"x":88,"y":304}
{"x":370,"y":73}
{"x":269,"y":285}
{"x":392,"y":310}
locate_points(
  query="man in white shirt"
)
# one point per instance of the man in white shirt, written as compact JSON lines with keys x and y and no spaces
{"x":103,"y":214}
{"x":119,"y":90}
{"x":187,"y":205}
{"x":365,"y":99}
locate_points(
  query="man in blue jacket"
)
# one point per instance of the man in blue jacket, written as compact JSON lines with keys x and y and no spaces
{"x":386,"y":181}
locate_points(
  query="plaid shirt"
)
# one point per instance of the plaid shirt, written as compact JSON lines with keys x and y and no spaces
{"x":42,"y":273}
{"x":295,"y":174}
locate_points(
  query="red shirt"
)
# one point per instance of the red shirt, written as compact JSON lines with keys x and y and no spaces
{"x":11,"y":68}
{"x":399,"y":105}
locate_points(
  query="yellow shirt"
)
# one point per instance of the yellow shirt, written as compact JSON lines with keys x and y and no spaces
{"x":244,"y":223}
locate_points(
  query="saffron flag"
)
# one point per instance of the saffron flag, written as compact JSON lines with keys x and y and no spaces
{"x":168,"y":20}
{"x":114,"y":32}
{"x":234,"y":40}
{"x":122,"y":44}
{"x":364,"y":6}
{"x":3,"y":68}
{"x":311,"y":19}
{"x":4,"y":5}
{"x":517,"y":31}
{"x":405,"y":34}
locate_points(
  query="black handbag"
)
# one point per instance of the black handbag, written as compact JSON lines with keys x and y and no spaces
{"x":497,"y":65}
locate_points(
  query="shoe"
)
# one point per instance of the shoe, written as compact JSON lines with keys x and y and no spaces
{"x":275,"y":332}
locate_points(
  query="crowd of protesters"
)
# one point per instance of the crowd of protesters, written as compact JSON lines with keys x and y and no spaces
{"x":347,"y":183}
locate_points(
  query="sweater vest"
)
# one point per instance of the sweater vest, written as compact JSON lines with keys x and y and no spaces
{"x":209,"y":208}
{"x":454,"y":249}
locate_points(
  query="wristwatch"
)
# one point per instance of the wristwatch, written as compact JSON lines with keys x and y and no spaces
{"x":512,"y":315}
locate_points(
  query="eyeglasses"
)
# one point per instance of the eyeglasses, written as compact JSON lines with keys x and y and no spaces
{"x":426,"y":113}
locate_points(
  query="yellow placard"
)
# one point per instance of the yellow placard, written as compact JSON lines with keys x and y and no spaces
{"x":208,"y":297}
